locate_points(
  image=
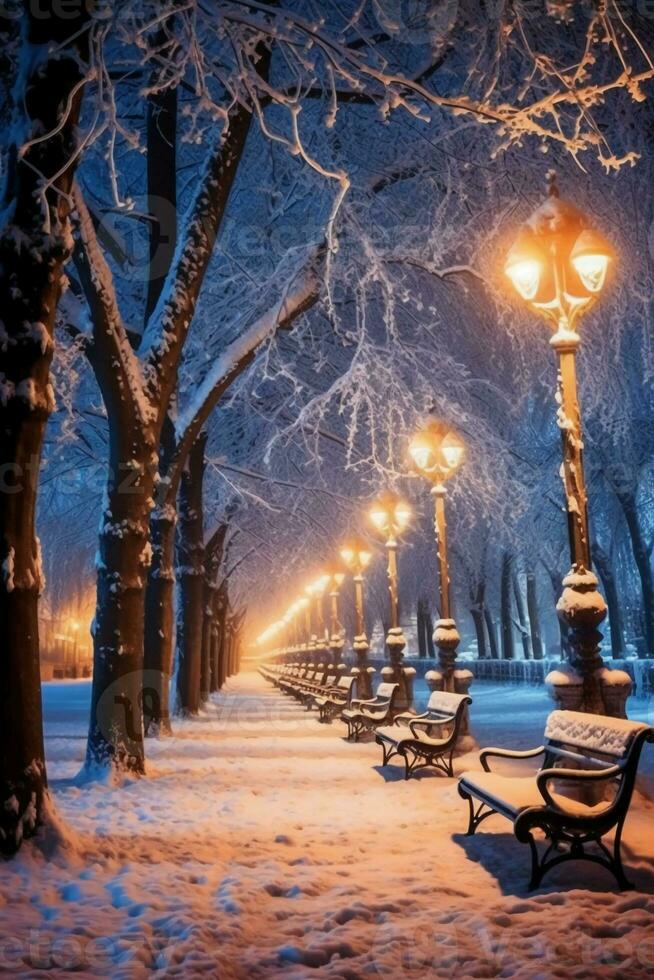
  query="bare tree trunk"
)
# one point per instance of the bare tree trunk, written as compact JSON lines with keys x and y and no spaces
{"x":534,"y":618}
{"x":190,"y":576}
{"x":215,"y":650}
{"x":212,"y":562}
{"x":116,"y":724}
{"x":219,"y":649}
{"x":643,"y":564}
{"x":159,"y":624}
{"x":556,"y":579}
{"x":492,"y":633}
{"x":225,"y":642}
{"x":429,"y":627}
{"x":477,"y":613}
{"x":605,"y":569}
{"x":162,"y":189}
{"x":205,"y":652}
{"x":508,"y":648}
{"x":421,"y":627}
{"x":525,"y":635}
{"x":34,"y":247}
{"x":159,"y":600}
{"x":116,"y":730}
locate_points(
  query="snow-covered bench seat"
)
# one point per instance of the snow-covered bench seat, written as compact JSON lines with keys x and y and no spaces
{"x":333,"y":702}
{"x":367,"y":715}
{"x":582,"y":791}
{"x":428,"y":739}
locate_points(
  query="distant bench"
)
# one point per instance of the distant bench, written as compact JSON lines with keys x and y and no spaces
{"x":366,"y":715}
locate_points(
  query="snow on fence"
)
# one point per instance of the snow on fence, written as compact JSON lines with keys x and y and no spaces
{"x":514,"y":671}
{"x":528,"y":671}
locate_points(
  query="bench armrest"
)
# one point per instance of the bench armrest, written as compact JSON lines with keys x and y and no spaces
{"x":428,"y":723}
{"x":406,"y":718}
{"x":374,"y":710}
{"x":359,"y":702}
{"x":487,"y":754}
{"x":574,"y":775}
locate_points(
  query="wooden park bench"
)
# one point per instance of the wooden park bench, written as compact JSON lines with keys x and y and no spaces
{"x":582,"y":791}
{"x":333,"y":702}
{"x":367,"y":715}
{"x":428,"y":739}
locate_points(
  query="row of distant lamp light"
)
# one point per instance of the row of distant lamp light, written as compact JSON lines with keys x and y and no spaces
{"x":437,"y":452}
{"x":558,"y":265}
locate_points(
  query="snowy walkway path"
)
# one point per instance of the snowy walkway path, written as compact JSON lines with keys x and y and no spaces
{"x":243,"y":856}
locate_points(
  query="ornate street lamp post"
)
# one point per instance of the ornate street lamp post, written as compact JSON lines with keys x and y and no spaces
{"x":437,"y":453}
{"x":304,"y":605}
{"x":336,"y":579}
{"x":316,"y":591}
{"x":390,"y":515}
{"x":291,"y":620}
{"x":357,"y":557}
{"x":558,"y":266}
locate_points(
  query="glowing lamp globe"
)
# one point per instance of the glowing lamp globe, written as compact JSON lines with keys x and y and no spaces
{"x":452,"y":451}
{"x":356,"y":554}
{"x":379,"y":517}
{"x":525,"y":276}
{"x":590,"y":257}
{"x":558,"y":264}
{"x":422,"y":451}
{"x":436,"y":451}
{"x":390,"y":514}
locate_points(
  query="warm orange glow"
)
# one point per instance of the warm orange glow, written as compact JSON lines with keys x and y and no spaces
{"x":318,"y":586}
{"x":592,"y":271}
{"x":390,"y":514}
{"x":525,"y":276}
{"x":379,"y":518}
{"x":590,"y":258}
{"x":558,"y":264}
{"x":453,"y":451}
{"x":403,"y":515}
{"x":356,"y":555}
{"x":437,"y":451}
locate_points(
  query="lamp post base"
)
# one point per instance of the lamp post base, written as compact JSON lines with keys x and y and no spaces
{"x":320,"y":654}
{"x":586,"y":684}
{"x":450,"y":678}
{"x":395,"y":673}
{"x":363,"y":671}
{"x":336,"y":653}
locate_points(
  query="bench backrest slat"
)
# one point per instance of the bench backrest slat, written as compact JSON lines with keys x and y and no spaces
{"x":593,"y":734}
{"x":386,"y":690}
{"x":446,"y":702}
{"x":586,"y":761}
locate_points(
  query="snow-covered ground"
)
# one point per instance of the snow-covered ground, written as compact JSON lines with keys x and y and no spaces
{"x":263,"y":845}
